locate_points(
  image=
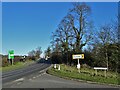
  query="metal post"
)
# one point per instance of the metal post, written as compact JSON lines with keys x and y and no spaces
{"x":78,"y":66}
{"x":9,"y":61}
{"x":12,"y":61}
{"x":78,"y":61}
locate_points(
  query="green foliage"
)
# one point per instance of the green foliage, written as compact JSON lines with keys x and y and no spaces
{"x":113,"y":54}
{"x":89,"y":58}
{"x":99,"y":58}
{"x":56,"y":58}
{"x":48,"y":52}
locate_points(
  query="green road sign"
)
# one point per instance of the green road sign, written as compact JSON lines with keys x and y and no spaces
{"x":11,"y":54}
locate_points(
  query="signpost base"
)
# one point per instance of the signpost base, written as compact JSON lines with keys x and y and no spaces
{"x":78,"y":66}
{"x":12,"y":61}
{"x":59,"y":67}
{"x":79,"y":70}
{"x":55,"y":66}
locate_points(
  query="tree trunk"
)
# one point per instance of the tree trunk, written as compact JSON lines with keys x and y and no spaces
{"x":107,"y":58}
{"x":78,"y":43}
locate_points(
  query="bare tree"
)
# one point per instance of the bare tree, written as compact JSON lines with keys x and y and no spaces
{"x":48,"y":52}
{"x":35,"y":54}
{"x":81,"y":24}
{"x":31,"y":54}
{"x":38,"y":52}
{"x":105,"y":38}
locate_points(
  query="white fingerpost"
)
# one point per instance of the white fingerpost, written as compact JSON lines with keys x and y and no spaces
{"x":59,"y":67}
{"x":55,"y":66}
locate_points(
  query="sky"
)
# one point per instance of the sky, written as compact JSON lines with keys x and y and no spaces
{"x":25,"y":25}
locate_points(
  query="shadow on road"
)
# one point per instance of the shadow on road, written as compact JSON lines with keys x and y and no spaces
{"x":42,"y":60}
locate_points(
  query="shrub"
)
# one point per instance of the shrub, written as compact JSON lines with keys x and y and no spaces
{"x":5,"y":61}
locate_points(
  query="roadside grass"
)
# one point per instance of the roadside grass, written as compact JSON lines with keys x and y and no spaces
{"x":86,"y":74}
{"x":17,"y":65}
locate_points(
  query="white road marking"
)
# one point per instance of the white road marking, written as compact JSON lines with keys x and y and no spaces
{"x":30,"y":79}
{"x":37,"y":76}
{"x":19,"y":83}
{"x":34,"y":77}
{"x":18,"y":80}
{"x":40,"y":75}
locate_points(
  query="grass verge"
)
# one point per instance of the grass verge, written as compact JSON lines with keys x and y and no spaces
{"x":86,"y":74}
{"x":18,"y":65}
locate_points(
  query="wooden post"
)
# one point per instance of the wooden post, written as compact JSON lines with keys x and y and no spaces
{"x":105,"y":73}
{"x":96,"y":71}
{"x":79,"y":70}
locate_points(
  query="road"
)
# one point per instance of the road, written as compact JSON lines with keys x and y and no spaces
{"x":31,"y":77}
{"x":15,"y":74}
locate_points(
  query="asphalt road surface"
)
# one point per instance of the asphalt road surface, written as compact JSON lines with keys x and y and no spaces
{"x":48,"y":81}
{"x":44,"y":80}
{"x":16,"y":74}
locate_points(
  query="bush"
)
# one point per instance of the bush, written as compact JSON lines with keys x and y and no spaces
{"x":4,"y":62}
{"x":56,"y":58}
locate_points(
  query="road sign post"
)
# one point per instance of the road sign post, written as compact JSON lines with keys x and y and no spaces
{"x":11,"y":56}
{"x":58,"y":67}
{"x":55,"y":66}
{"x":78,"y":66}
{"x":78,"y":56}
